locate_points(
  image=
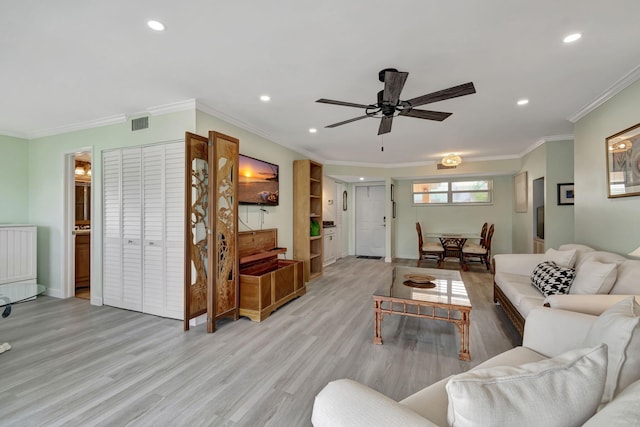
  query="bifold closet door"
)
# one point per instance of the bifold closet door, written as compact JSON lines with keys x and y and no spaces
{"x":112,"y":228}
{"x":163,"y":229}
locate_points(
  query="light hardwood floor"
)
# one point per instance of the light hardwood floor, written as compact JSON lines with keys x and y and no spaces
{"x":76,"y":364}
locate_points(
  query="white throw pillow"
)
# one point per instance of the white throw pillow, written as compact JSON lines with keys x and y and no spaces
{"x":593,"y":277}
{"x":562,"y":258}
{"x":619,"y":328}
{"x":563,"y":391}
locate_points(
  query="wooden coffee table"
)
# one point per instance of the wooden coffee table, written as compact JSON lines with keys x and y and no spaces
{"x":443,"y":298}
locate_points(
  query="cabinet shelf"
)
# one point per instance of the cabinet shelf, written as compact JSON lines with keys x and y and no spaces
{"x":307,"y":202}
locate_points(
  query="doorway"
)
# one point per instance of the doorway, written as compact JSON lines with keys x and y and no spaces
{"x":370,"y":220}
{"x":78,"y":224}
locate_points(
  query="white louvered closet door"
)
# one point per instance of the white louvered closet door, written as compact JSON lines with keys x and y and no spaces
{"x":131,"y":229}
{"x":174,"y":230}
{"x":163,"y":225}
{"x":112,"y":228}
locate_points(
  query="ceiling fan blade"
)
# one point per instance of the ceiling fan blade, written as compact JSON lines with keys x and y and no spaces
{"x":346,"y":121}
{"x":425,"y":114}
{"x":441,"y":95}
{"x":393,"y":84}
{"x":385,"y":125}
{"x":346,"y":104}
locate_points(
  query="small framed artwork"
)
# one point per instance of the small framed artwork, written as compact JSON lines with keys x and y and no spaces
{"x":565,"y":194}
{"x":520,"y":192}
{"x":394,"y":209}
{"x":623,"y":163}
{"x":392,"y":193}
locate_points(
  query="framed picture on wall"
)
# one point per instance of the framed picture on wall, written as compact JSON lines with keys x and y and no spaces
{"x":520,"y":192}
{"x":565,"y":194}
{"x":623,"y":163}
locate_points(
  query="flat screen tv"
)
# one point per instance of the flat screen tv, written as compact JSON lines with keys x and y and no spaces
{"x":257,"y":182}
{"x":540,"y":222}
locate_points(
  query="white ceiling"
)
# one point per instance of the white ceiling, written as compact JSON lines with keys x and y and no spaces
{"x":75,"y":61}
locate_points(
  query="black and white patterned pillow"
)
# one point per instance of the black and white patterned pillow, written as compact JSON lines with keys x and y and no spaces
{"x":552,"y":279}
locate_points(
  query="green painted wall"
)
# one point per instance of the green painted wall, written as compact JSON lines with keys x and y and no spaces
{"x":535,"y":164}
{"x":608,"y":224}
{"x":14,"y":180}
{"x":453,"y":219}
{"x":559,"y":220}
{"x":46,"y":186}
{"x":250,"y":217}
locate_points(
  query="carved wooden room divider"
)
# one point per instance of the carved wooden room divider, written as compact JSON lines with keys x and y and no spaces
{"x":211,"y":210}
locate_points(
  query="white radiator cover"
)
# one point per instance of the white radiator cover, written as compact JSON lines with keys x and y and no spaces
{"x":18,"y":252}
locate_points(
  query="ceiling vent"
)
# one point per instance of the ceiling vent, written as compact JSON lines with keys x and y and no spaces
{"x":140,"y":123}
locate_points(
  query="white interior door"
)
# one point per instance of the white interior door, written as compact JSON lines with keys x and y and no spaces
{"x":370,"y":220}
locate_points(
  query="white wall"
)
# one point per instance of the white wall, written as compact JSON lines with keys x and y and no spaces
{"x":608,"y":224}
{"x":535,"y":164}
{"x":559,"y":219}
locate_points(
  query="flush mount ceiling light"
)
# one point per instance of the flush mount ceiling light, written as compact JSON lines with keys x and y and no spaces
{"x":362,"y":178}
{"x":313,"y":130}
{"x":265,"y":98}
{"x":451,"y":160}
{"x":523,"y":102}
{"x":79,"y":170}
{"x":572,"y":38}
{"x":620,"y":146}
{"x":155,"y":25}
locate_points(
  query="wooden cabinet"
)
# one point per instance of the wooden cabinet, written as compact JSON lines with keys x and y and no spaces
{"x":83,"y":259}
{"x":266,"y":282}
{"x":143,"y":226}
{"x":330,"y":247}
{"x":538,"y":245}
{"x":307,"y":208}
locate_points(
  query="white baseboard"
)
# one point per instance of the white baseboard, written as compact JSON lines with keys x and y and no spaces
{"x":96,"y":300}
{"x":56,"y":293}
{"x":388,"y":259}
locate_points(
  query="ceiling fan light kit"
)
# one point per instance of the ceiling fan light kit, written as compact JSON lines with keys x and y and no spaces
{"x":389,"y":104}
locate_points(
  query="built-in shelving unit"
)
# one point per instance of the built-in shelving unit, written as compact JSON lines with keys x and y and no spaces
{"x":307,"y":206}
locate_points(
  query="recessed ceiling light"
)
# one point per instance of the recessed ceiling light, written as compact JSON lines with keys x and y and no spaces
{"x":265,"y":98}
{"x":313,"y":130}
{"x":523,"y":102}
{"x":572,"y":37}
{"x":361,"y":178}
{"x":155,"y":25}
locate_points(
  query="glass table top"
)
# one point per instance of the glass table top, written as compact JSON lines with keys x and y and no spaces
{"x":11,"y":293}
{"x":447,"y":286}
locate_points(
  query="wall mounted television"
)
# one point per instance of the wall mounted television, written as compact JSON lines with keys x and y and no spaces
{"x":540,"y":222}
{"x":257,"y":182}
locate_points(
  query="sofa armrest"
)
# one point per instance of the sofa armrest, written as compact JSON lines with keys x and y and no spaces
{"x":348,"y":403}
{"x":552,"y":332}
{"x":517,"y":263}
{"x":587,"y":304}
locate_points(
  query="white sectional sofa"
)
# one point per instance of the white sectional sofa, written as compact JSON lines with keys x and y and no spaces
{"x":516,"y":295}
{"x":529,"y":395}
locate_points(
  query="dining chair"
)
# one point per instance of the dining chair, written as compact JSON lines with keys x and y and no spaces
{"x":476,"y":253}
{"x":483,"y":236}
{"x":431,"y":251}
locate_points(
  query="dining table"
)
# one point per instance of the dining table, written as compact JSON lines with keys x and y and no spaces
{"x":452,"y":243}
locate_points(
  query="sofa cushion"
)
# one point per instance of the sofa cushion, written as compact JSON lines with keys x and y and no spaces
{"x":562,"y":258}
{"x":594,"y":277}
{"x":431,"y":402}
{"x":552,"y":279}
{"x":627,"y":282}
{"x":623,"y":411}
{"x":528,"y":395}
{"x":619,"y":328}
{"x":600,"y":256}
{"x":530,"y":303}
{"x":578,"y":247}
{"x":516,"y":286}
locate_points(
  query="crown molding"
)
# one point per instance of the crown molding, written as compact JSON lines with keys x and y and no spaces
{"x":538,"y":143}
{"x":106,"y":121}
{"x":173,"y":107}
{"x":628,"y":79}
{"x":13,"y":134}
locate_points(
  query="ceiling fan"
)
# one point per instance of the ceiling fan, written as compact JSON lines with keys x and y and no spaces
{"x":389,"y":104}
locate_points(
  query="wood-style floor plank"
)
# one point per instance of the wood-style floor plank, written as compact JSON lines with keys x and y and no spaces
{"x":76,"y":364}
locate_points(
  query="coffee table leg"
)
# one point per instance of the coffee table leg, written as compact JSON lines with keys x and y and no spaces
{"x":377,"y":322}
{"x":463,"y":328}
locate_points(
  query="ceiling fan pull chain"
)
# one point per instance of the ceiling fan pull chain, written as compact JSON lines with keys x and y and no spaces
{"x":382,"y":145}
